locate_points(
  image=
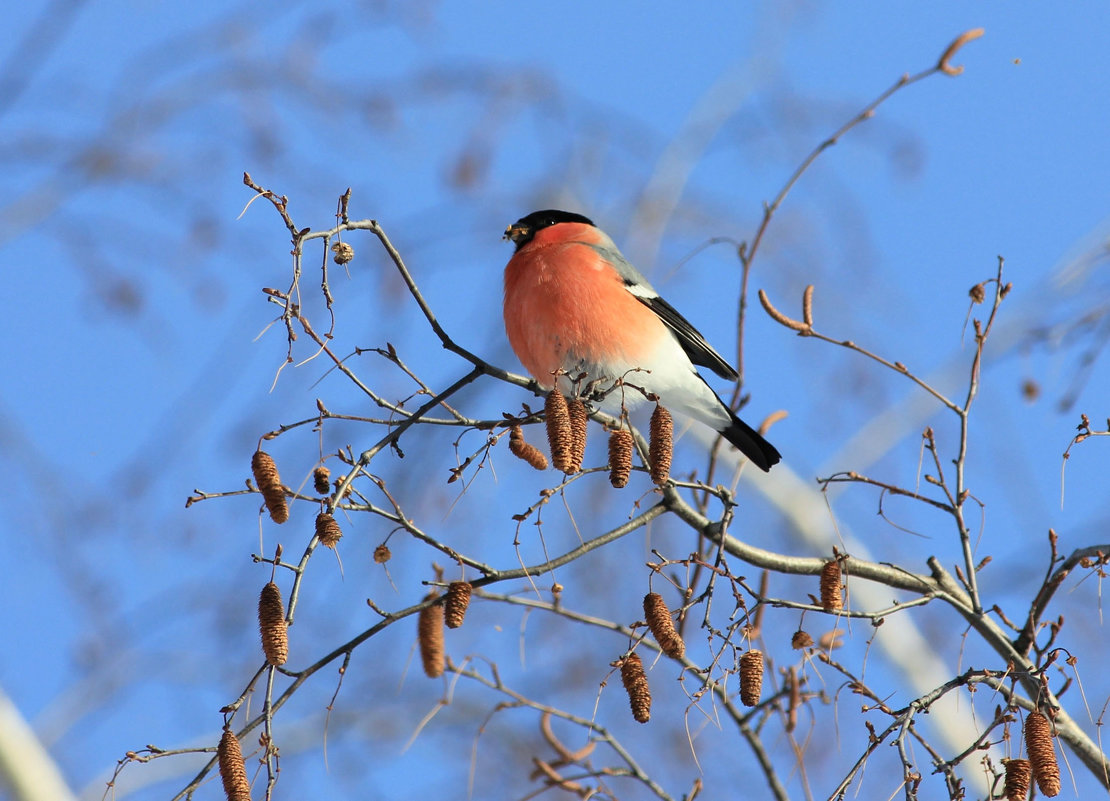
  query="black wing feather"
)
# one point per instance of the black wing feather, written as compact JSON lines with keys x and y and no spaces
{"x":691,"y":340}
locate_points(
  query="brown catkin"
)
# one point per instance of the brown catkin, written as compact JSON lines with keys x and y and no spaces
{"x":1018,"y":773}
{"x":271,"y":623}
{"x":559,"y":435}
{"x":320,"y":480}
{"x":661,"y":445}
{"x":1042,"y":754}
{"x":327,"y":530}
{"x":522,"y":449}
{"x":579,"y":419}
{"x":233,"y":771}
{"x":430,"y":628}
{"x":831,"y":599}
{"x":382,"y":554}
{"x":659,"y":620}
{"x":620,"y":457}
{"x":269,"y":484}
{"x":636,"y":685}
{"x":751,"y":677}
{"x":456,"y":603}
{"x":800,"y":640}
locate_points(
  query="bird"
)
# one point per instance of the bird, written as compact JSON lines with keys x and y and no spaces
{"x":580,"y":317}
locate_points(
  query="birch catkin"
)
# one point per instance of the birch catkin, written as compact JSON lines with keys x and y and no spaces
{"x":661,"y":446}
{"x":659,"y":620}
{"x":233,"y":771}
{"x":620,"y":457}
{"x":269,"y":484}
{"x":1042,"y":754}
{"x":636,"y":685}
{"x":271,"y":624}
{"x":456,"y":603}
{"x":560,"y":437}
{"x":430,"y":630}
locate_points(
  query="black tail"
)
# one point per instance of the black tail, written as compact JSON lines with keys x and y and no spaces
{"x":761,"y":452}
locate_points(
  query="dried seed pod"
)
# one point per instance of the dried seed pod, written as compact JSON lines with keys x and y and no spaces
{"x":800,"y":640}
{"x":751,"y":677}
{"x":320,"y":480}
{"x":233,"y":771}
{"x":579,"y":419}
{"x":658,"y":618}
{"x":271,"y":623}
{"x":978,"y":293}
{"x":456,"y":603}
{"x":522,"y":449}
{"x":831,"y":597}
{"x":342,"y":252}
{"x":636,"y":685}
{"x":1018,"y":773}
{"x":430,"y":629}
{"x":620,"y":457}
{"x":382,"y":554}
{"x":269,"y":484}
{"x":327,"y":530}
{"x":1042,"y":754}
{"x":661,"y":446}
{"x":559,"y":435}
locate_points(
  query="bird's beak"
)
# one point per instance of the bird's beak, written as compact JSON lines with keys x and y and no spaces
{"x":516,"y":232}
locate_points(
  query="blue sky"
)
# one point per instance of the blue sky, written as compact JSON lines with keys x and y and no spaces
{"x":136,"y":373}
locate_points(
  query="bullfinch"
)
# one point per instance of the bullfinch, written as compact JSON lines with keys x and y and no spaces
{"x":579,"y":315}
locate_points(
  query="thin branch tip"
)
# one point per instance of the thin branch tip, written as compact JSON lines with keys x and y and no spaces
{"x":945,"y":63}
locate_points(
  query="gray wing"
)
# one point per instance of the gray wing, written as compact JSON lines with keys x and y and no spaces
{"x":691,"y":340}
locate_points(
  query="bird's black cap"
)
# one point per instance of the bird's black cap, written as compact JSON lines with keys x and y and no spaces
{"x":522,"y":231}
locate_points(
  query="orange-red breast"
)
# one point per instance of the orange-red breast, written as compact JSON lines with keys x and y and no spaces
{"x":577,"y":309}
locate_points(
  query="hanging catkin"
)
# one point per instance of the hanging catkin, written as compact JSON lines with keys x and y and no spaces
{"x":271,"y":624}
{"x":456,"y":603}
{"x":659,"y":620}
{"x":751,"y":677}
{"x":233,"y":771}
{"x":620,"y":457}
{"x":661,"y":445}
{"x":430,"y":629}
{"x":636,"y":685}
{"x":269,"y":484}
{"x":560,"y":438}
{"x":1042,"y":754}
